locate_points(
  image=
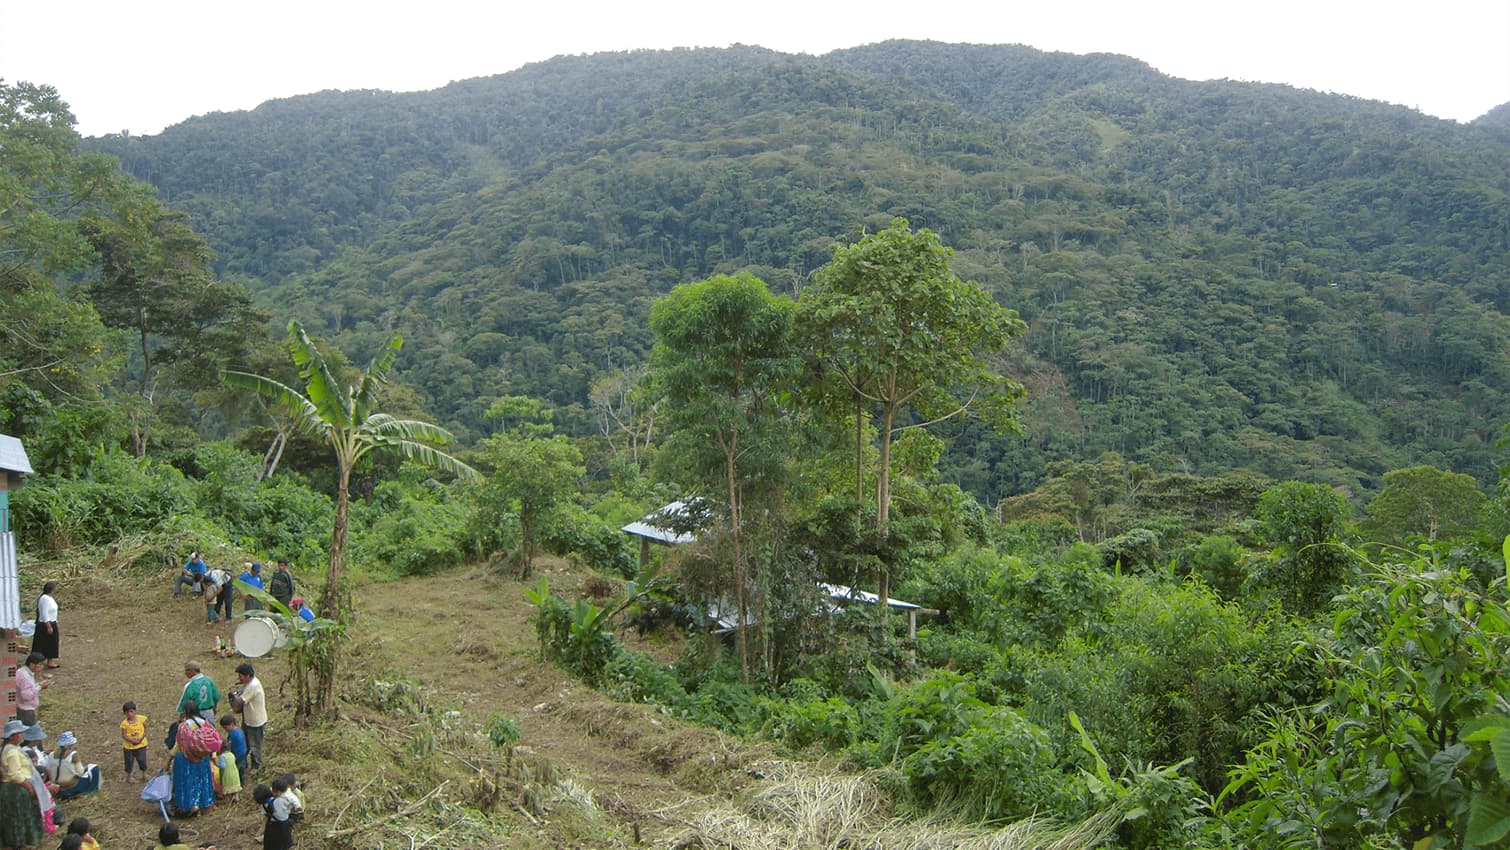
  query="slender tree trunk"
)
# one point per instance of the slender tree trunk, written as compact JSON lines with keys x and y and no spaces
{"x":883,"y":504}
{"x":331,"y":599}
{"x":338,"y":537}
{"x":736,"y":521}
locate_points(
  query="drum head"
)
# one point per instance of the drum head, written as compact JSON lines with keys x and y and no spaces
{"x":255,"y":637}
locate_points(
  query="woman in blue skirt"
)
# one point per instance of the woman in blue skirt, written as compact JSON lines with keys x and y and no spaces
{"x":193,"y":783}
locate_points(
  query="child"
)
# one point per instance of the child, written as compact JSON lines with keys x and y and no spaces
{"x":134,"y":740}
{"x":296,"y":794}
{"x":235,"y":741}
{"x":80,"y":828}
{"x":278,"y":832}
{"x":230,"y":776}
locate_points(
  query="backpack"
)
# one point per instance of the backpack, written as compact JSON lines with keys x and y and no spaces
{"x":197,"y":740}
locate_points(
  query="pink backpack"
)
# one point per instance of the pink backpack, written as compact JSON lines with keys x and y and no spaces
{"x":197,"y":739}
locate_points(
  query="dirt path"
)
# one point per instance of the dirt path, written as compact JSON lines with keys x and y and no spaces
{"x":466,"y":635}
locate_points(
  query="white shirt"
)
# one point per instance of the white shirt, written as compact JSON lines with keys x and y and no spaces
{"x":219,"y":577}
{"x":253,"y":704}
{"x":47,"y":609}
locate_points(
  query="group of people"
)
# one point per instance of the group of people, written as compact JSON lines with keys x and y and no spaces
{"x":209,"y":756}
{"x":33,"y":780}
{"x":216,"y":588}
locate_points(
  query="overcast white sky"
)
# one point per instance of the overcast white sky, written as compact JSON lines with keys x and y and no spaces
{"x":144,"y":65}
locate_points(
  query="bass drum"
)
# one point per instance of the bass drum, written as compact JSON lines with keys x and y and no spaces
{"x":256,"y":637}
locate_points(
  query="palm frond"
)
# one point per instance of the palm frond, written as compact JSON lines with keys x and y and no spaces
{"x":301,"y":408}
{"x":377,"y":374}
{"x":319,"y":384}
{"x":435,"y":459}
{"x":389,"y":427}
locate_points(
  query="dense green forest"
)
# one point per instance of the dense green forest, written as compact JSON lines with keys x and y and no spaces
{"x":1215,"y":275}
{"x":1180,"y":403}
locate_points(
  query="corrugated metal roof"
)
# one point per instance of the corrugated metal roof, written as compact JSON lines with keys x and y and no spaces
{"x":842,"y":593}
{"x":13,"y":456}
{"x":654,"y":525}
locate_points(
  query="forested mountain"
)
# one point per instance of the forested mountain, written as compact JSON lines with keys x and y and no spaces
{"x":1214,"y":274}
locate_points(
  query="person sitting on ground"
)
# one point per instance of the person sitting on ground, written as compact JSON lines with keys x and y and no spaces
{"x":22,"y":824}
{"x":34,"y":742}
{"x":169,"y":839}
{"x":72,"y":776}
{"x":80,"y":827}
{"x":192,"y":575}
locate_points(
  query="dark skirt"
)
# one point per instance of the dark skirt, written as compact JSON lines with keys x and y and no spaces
{"x":45,"y":643}
{"x":278,"y":835}
{"x":20,"y":819}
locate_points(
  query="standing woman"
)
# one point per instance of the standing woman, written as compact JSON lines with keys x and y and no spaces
{"x":193,"y":783}
{"x":45,"y":640}
{"x":20,"y":819}
{"x":29,"y":688}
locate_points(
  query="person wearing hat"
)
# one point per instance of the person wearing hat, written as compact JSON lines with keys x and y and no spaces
{"x":69,"y":772}
{"x":200,"y":690}
{"x":252,"y":577}
{"x":20,"y":818}
{"x":301,"y":610}
{"x":41,"y":772}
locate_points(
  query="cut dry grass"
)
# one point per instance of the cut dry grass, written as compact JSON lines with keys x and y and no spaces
{"x":799,"y":808}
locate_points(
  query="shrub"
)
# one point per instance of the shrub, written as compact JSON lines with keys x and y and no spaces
{"x":636,"y":677}
{"x":118,"y":496}
{"x":1000,"y":766}
{"x":830,"y":723}
{"x":418,"y":538}
{"x":576,"y":637}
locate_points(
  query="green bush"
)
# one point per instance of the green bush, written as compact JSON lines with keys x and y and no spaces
{"x":280,"y":516}
{"x":830,"y":723}
{"x":575,"y":533}
{"x":118,"y":496}
{"x":999,"y":766}
{"x":416,"y":538}
{"x":636,"y":677}
{"x":574,"y":636}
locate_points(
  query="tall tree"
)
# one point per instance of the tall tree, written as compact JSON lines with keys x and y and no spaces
{"x":346,"y":418}
{"x":723,"y":356}
{"x":155,"y":283}
{"x":53,"y":347}
{"x":532,"y":472}
{"x":1422,"y":500}
{"x":898,"y":333}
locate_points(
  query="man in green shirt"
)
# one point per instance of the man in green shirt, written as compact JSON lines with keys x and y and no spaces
{"x":199,"y":689}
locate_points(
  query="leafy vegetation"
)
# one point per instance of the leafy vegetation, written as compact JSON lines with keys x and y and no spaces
{"x":1172,"y":404}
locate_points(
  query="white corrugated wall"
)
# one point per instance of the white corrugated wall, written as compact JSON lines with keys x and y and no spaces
{"x":10,"y":586}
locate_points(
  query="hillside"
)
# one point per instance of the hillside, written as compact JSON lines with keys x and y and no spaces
{"x":466,"y":650}
{"x":1215,"y":274}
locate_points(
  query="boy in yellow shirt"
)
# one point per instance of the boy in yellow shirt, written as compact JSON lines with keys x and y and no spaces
{"x":134,"y":740}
